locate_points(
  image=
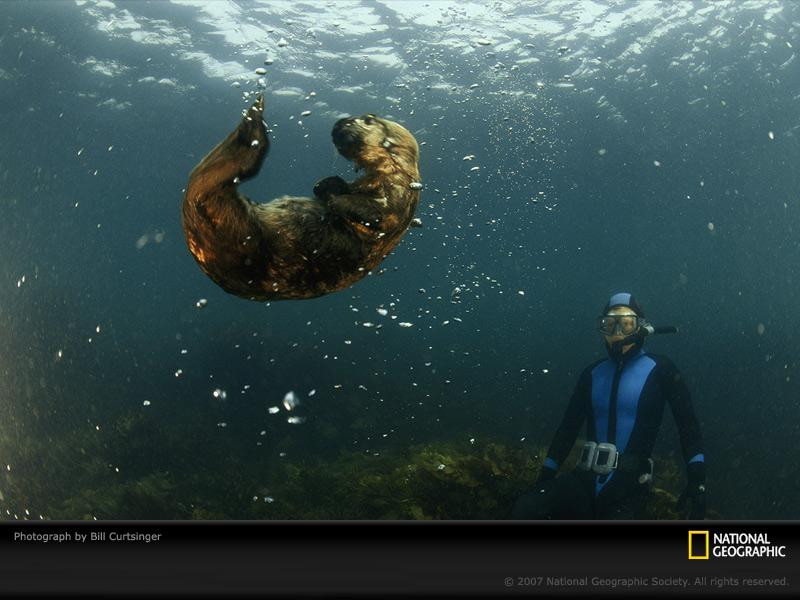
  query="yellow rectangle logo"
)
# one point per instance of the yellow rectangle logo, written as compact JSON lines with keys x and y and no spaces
{"x":698,"y":534}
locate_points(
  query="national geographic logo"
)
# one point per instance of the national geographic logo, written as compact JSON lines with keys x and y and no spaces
{"x":698,"y":545}
{"x":703,"y":545}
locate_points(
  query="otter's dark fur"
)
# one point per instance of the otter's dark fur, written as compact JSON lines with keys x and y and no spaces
{"x":296,"y":247}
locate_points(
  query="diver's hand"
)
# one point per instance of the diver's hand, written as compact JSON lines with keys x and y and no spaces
{"x":330,"y":186}
{"x":693,"y":497}
{"x":545,"y":475}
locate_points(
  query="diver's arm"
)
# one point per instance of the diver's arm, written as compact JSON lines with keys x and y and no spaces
{"x":571,"y":424}
{"x":691,"y":444}
{"x":688,"y":427}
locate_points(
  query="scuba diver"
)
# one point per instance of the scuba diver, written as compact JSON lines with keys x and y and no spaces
{"x":622,"y":400}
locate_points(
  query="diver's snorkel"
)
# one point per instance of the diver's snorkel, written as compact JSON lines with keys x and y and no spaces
{"x":646,"y":329}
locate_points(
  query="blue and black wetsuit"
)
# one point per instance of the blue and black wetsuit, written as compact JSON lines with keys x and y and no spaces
{"x":621,"y":401}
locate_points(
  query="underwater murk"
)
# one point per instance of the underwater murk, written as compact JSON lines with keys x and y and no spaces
{"x":567,"y":150}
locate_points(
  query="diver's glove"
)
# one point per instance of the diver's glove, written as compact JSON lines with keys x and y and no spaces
{"x":545,"y":475}
{"x":694,"y":496}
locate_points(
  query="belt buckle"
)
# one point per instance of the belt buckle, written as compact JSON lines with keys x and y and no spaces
{"x":606,"y":458}
{"x":587,"y":456}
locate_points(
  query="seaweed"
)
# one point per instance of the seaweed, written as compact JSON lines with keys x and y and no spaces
{"x":441,"y":480}
{"x":159,"y":478}
{"x":444,"y":480}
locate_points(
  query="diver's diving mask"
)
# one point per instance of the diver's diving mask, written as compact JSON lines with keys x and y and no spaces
{"x":618,"y":324}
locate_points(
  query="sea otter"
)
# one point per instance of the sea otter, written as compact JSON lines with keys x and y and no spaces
{"x":297,"y":247}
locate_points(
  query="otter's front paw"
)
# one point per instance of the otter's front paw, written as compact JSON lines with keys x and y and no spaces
{"x":330,"y":186}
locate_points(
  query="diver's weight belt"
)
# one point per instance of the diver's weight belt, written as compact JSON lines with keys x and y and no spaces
{"x":603,"y":458}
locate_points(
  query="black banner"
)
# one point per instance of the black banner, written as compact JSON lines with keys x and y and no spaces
{"x":408,"y":558}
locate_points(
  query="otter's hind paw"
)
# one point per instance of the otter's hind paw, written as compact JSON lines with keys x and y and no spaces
{"x":330,"y":186}
{"x":247,"y":146}
{"x":251,"y":131}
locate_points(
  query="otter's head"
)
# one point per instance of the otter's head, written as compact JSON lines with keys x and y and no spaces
{"x":374,"y":143}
